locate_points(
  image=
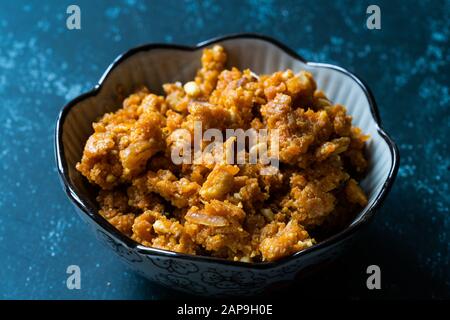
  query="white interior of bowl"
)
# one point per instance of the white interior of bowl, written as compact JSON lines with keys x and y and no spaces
{"x":154,"y":67}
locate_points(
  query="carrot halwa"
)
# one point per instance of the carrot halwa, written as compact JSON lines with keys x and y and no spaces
{"x":222,"y":209}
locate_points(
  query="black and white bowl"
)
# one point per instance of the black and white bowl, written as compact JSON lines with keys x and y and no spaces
{"x":155,"y":64}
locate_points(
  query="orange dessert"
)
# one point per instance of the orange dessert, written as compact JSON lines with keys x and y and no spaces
{"x":228,"y":210}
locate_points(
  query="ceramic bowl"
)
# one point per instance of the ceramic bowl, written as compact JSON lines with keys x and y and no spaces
{"x":155,"y":64}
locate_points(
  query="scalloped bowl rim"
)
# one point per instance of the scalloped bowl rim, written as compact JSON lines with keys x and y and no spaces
{"x":133,"y":245}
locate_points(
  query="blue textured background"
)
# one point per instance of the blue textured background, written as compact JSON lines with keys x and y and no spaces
{"x":43,"y":65}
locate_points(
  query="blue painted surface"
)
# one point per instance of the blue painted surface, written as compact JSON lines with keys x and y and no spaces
{"x":43,"y":65}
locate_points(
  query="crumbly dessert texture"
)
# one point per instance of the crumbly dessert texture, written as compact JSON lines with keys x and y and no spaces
{"x":224,"y":210}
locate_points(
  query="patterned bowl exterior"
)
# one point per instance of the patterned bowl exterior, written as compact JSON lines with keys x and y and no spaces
{"x":155,"y":64}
